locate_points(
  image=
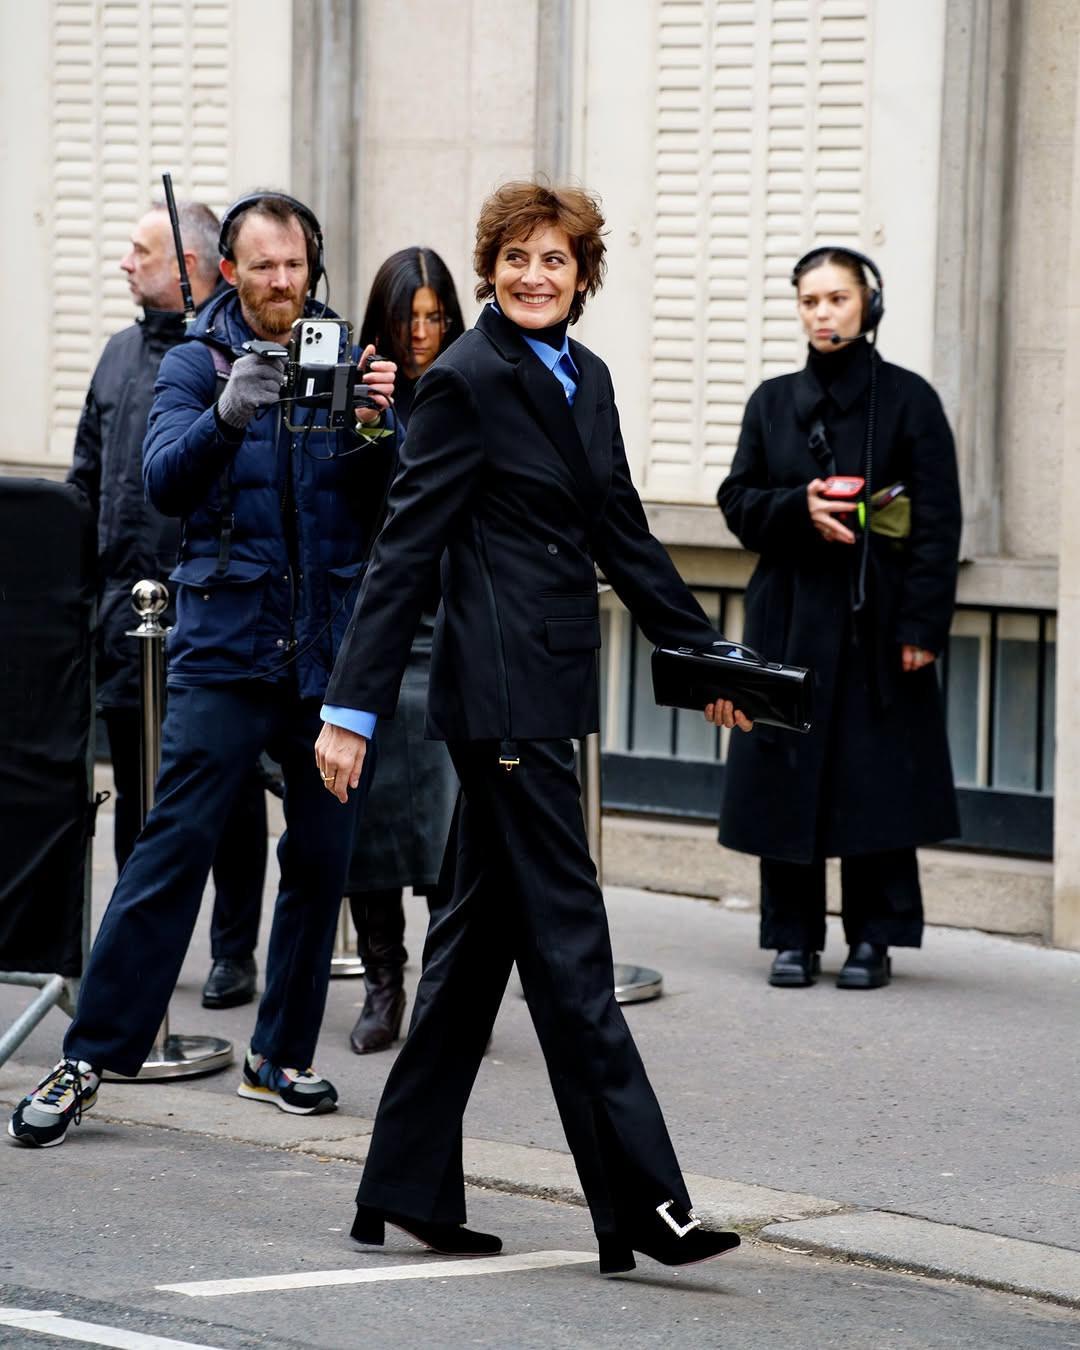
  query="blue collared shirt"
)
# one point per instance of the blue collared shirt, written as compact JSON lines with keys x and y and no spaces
{"x":558,"y":361}
{"x":561,"y":364}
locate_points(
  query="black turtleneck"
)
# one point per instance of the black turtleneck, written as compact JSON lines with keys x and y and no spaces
{"x":832,"y":365}
{"x":554,"y":336}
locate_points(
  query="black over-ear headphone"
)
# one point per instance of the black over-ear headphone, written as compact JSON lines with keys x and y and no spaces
{"x":306,"y":214}
{"x":875,"y":308}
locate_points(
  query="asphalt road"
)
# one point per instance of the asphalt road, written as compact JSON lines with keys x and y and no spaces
{"x":953,"y":1094}
{"x":92,"y":1228}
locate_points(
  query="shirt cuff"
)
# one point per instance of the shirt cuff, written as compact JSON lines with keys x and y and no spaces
{"x":351,"y":719}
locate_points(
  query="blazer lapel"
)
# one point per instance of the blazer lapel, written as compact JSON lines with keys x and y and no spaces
{"x":588,"y":393}
{"x":547,"y":399}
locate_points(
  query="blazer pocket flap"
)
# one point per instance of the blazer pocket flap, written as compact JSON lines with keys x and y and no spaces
{"x":573,"y":635}
{"x":204,"y":572}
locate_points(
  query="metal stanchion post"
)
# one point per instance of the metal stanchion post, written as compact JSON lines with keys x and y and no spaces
{"x":633,"y":984}
{"x":172,"y":1055}
{"x":345,"y":964}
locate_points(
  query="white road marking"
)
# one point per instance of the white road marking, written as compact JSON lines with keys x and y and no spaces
{"x":90,"y":1333}
{"x":416,"y":1270}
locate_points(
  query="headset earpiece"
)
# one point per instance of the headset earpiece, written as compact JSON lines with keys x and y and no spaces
{"x":306,"y":214}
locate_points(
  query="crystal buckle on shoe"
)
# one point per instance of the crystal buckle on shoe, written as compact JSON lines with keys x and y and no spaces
{"x":679,"y":1229}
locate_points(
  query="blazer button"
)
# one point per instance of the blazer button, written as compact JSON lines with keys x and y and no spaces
{"x":553,"y":548}
{"x":206,"y":595}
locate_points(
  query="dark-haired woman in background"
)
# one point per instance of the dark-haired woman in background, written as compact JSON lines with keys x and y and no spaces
{"x":412,"y":315}
{"x":869,"y":612}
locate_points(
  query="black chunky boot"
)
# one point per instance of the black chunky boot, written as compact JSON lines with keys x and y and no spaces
{"x":794,"y":968}
{"x":380,"y":923}
{"x":867,"y":967}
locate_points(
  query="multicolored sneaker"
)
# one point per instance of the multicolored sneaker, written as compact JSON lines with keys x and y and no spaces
{"x":301,"y":1092}
{"x":42,"y":1118}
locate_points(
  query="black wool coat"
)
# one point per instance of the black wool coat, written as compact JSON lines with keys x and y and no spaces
{"x":874,"y":773}
{"x":520,"y":496}
{"x":134,"y":539}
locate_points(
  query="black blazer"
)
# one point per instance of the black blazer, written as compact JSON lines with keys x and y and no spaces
{"x":520,"y":495}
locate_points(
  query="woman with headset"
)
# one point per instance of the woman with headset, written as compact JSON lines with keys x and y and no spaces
{"x":412,"y":315}
{"x":845,"y":482}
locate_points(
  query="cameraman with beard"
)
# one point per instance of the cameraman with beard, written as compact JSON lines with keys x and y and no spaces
{"x":272,"y":546}
{"x":136,"y":541}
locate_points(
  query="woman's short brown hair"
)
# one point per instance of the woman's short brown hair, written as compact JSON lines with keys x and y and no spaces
{"x":518,"y":210}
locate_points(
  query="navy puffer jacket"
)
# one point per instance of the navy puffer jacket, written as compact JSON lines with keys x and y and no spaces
{"x":282,"y":598}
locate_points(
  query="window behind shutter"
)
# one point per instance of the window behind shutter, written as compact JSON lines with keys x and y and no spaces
{"x":761,"y":138}
{"x":122,"y":112}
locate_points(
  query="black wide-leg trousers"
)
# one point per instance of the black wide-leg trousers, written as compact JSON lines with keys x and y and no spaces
{"x":524,"y":890}
{"x":880,"y":901}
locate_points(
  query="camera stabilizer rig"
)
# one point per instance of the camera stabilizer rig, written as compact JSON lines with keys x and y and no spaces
{"x":319,"y":371}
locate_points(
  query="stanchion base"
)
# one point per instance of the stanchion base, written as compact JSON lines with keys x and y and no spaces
{"x":346,"y":967}
{"x":181,"y":1057}
{"x":636,"y":984}
{"x":633,"y":984}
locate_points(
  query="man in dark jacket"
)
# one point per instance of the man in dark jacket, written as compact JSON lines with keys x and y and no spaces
{"x":272,"y":544}
{"x":136,"y":541}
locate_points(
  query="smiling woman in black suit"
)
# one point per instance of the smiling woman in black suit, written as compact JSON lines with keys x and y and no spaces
{"x":513,"y":470}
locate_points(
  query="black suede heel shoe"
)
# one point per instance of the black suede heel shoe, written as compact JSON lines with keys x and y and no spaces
{"x":448,"y":1239}
{"x":663,"y":1238}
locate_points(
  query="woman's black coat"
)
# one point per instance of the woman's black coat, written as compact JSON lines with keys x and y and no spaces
{"x":520,"y":495}
{"x":881,"y":779}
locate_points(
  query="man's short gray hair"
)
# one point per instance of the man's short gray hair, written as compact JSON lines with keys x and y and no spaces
{"x":199,"y":229}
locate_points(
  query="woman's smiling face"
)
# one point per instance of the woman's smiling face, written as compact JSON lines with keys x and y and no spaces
{"x":535,"y":279}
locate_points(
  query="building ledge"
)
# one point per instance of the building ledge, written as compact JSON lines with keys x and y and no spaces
{"x":711,"y":554}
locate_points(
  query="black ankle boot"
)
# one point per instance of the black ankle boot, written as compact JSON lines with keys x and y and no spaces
{"x":380,"y":925}
{"x":671,"y":1239}
{"x":794,"y":968}
{"x":448,"y":1239}
{"x":867,"y":967}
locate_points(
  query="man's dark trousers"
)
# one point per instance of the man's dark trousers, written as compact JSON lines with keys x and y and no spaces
{"x":240,"y":863}
{"x":212,"y":737}
{"x":524,"y":889}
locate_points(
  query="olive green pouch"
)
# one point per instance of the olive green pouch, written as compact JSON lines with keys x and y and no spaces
{"x":893,"y":519}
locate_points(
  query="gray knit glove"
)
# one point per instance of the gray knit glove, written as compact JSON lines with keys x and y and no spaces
{"x":255,"y":383}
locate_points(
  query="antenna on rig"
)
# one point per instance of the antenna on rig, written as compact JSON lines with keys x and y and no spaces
{"x":174,"y":220}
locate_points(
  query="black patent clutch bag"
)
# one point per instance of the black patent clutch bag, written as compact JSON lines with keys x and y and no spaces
{"x":766,"y":691}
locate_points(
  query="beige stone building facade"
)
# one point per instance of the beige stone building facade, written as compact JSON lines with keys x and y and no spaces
{"x":725,"y":137}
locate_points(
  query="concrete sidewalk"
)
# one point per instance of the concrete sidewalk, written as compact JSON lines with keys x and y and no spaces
{"x":929,"y":1126}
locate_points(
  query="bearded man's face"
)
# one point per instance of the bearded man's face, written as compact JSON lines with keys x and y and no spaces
{"x":270,"y":273}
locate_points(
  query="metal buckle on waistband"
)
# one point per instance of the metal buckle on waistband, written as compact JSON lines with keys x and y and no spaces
{"x":508,"y":755}
{"x":679,"y":1229}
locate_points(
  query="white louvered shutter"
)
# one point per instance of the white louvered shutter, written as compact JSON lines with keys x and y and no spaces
{"x":138,"y":87}
{"x":761,"y":141}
